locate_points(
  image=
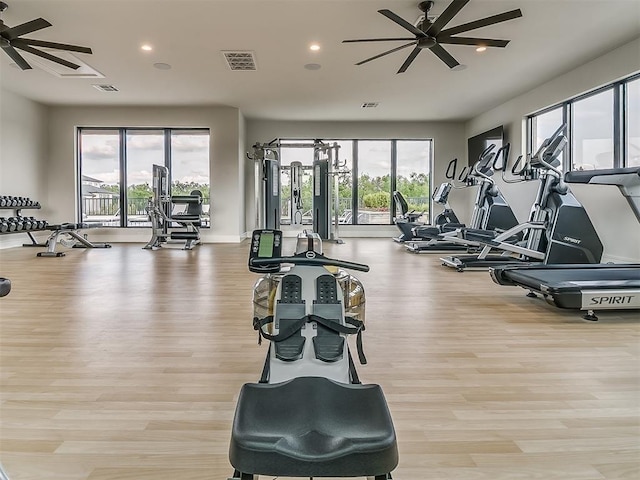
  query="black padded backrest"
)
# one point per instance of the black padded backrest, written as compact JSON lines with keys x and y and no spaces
{"x":401,"y":203}
{"x":195,"y":208}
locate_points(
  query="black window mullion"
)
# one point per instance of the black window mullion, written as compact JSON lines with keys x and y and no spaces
{"x":567,"y":119}
{"x":354,"y":179}
{"x":392,"y":180}
{"x":79,"y":179}
{"x":619,"y":144}
{"x":167,"y":155}
{"x":123,"y":176}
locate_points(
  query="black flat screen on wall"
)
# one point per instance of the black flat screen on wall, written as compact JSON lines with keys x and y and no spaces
{"x":477,"y":144}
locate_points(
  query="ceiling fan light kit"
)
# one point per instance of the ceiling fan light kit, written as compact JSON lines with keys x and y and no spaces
{"x":11,"y":41}
{"x":431,"y":35}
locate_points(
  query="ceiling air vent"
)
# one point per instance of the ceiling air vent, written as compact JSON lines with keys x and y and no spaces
{"x":240,"y":60}
{"x":105,"y":88}
{"x":370,"y":105}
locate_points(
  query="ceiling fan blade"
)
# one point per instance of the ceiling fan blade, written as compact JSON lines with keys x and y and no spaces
{"x":378,"y":40}
{"x":446,"y":16}
{"x":402,"y":22}
{"x":24,"y":28}
{"x":386,"y":53}
{"x":443,"y":55}
{"x":502,"y":17}
{"x":412,"y":56}
{"x":482,"y":42}
{"x":57,"y":46}
{"x":15,"y":56}
{"x":47,"y":56}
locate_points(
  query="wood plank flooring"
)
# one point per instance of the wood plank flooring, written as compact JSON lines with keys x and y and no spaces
{"x":126,"y":364}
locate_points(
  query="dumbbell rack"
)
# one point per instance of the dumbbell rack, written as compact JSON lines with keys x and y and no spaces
{"x":17,"y":223}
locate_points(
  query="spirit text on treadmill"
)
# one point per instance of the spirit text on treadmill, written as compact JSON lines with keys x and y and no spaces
{"x":618,"y":299}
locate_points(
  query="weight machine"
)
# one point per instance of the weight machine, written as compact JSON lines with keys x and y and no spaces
{"x":160,"y":209}
{"x":326,"y":170}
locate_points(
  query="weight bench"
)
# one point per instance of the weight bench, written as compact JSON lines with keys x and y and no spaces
{"x":70,"y":229}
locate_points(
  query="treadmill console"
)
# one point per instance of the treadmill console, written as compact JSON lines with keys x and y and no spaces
{"x":265,"y":244}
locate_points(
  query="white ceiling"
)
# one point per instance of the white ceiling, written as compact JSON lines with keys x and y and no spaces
{"x":552,"y":37}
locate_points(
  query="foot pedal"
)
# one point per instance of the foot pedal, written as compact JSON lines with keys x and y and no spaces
{"x":328,"y":344}
{"x":290,"y":309}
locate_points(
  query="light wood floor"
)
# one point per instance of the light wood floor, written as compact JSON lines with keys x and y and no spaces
{"x":126,"y":363}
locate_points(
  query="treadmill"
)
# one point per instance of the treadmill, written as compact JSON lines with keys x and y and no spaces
{"x":585,"y":287}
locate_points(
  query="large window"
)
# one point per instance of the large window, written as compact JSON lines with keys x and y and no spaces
{"x":368,"y":173}
{"x":374,"y":181}
{"x":603,"y":127}
{"x":592,"y":132}
{"x":99,"y":154}
{"x":116,"y":164}
{"x":632,"y":150}
{"x":143,"y":148}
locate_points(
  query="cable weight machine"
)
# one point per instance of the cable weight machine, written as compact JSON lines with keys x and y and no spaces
{"x":326,"y":171}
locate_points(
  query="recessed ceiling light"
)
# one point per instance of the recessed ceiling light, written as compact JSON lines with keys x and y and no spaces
{"x":313,"y":66}
{"x":146,"y":47}
{"x":481,"y":49}
{"x":314,"y":47}
{"x":162,"y":66}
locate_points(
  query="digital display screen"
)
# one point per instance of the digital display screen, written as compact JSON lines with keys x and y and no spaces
{"x":265,"y":250}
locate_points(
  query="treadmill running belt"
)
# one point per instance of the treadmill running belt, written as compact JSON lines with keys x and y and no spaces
{"x":572,"y":278}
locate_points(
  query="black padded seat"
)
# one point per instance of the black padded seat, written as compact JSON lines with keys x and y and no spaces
{"x":312,"y":426}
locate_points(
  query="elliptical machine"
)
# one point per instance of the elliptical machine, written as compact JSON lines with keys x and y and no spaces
{"x":491,"y":210}
{"x":309,"y":415}
{"x":407,"y":220}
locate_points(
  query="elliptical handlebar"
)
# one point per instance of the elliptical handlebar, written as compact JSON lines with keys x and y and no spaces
{"x":311,"y":259}
{"x":502,"y":153}
{"x":451,"y":169}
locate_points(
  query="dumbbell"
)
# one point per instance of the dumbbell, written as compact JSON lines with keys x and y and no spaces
{"x":3,"y":201}
{"x":4,"y":225}
{"x":18,"y":222}
{"x":12,"y":226}
{"x":30,"y":223}
{"x":37,"y":224}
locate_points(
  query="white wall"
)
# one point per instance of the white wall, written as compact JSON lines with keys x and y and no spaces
{"x":616,"y":225}
{"x":448,"y":143}
{"x":227,"y":224}
{"x":23,"y":152}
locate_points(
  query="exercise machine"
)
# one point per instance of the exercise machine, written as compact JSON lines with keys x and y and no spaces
{"x":585,"y":287}
{"x":559,"y":229}
{"x":325,"y":170}
{"x":68,"y":235}
{"x":163,"y":218}
{"x":407,"y":220}
{"x":309,"y":415}
{"x":491,"y":210}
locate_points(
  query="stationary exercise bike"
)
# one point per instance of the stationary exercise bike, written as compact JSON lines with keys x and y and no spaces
{"x":309,"y":415}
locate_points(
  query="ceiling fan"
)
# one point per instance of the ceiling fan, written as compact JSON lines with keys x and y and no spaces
{"x":10,"y":41}
{"x":431,"y":35}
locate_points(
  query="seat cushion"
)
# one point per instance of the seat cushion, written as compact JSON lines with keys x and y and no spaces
{"x":312,"y":426}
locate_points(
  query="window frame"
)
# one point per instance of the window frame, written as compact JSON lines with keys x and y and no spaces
{"x":620,"y":120}
{"x":122,"y":163}
{"x":393,"y":171}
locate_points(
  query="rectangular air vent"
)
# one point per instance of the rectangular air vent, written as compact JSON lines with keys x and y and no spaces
{"x":370,"y":105}
{"x":240,"y":60}
{"x":106,"y":88}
